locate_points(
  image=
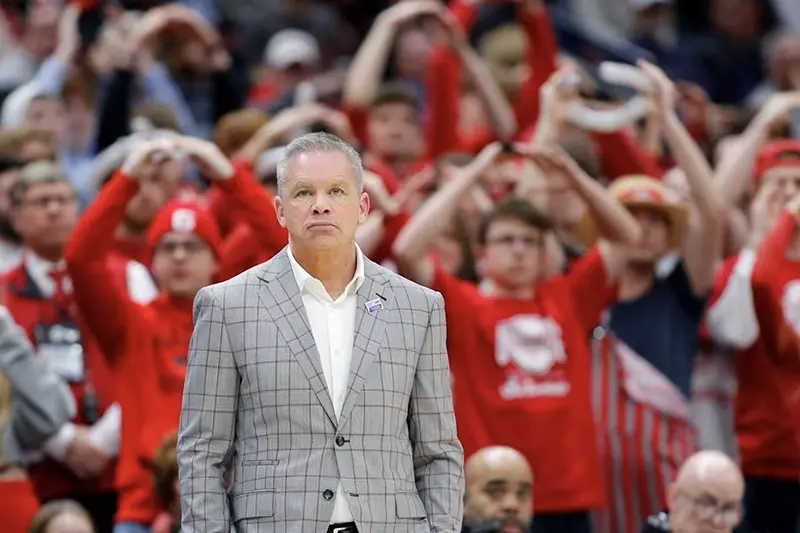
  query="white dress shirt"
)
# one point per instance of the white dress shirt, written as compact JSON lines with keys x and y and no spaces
{"x":333,"y":326}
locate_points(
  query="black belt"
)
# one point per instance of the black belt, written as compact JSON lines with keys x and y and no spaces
{"x":344,"y":527}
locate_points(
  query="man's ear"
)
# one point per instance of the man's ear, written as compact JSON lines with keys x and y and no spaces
{"x":278,"y":204}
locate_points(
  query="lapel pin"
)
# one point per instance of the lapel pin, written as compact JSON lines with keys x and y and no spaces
{"x":373,"y":306}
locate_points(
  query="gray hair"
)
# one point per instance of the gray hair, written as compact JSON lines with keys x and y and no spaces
{"x":319,"y":142}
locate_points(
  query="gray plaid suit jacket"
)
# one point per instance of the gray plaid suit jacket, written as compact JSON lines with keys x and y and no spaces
{"x":256,"y":404}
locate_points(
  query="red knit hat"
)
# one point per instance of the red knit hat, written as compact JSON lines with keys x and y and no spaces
{"x":782,"y":153}
{"x":185,"y":216}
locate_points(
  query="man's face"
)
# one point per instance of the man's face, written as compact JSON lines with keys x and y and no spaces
{"x":654,"y":241}
{"x":711,"y":505}
{"x":513,"y":253}
{"x":46,"y":215}
{"x":394,"y":131}
{"x":786,"y":179}
{"x":46,"y":115}
{"x":183,"y":264}
{"x":321,"y":203}
{"x":500,"y":491}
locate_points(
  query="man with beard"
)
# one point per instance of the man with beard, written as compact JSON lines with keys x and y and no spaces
{"x":498,"y":496}
{"x":10,"y":242}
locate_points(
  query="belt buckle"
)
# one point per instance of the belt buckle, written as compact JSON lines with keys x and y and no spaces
{"x":343,"y":529}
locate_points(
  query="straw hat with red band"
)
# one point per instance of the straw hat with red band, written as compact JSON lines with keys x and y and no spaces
{"x":644,"y":191}
{"x":185,"y":216}
{"x":777,"y":154}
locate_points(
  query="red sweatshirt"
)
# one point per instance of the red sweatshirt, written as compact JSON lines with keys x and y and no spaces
{"x":148,"y":344}
{"x":776,"y":298}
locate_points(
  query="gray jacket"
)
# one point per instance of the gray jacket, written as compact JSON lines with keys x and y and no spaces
{"x":41,"y":401}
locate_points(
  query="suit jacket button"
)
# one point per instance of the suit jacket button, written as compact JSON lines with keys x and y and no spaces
{"x":328,"y":494}
{"x":340,"y":441}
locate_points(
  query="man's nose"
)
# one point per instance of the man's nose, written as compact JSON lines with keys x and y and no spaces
{"x":321,"y":204}
{"x":511,"y":505}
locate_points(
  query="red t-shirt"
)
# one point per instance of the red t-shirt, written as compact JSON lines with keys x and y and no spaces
{"x":521,"y":378}
{"x":764,"y":428}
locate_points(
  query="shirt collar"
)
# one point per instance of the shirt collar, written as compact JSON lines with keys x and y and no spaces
{"x":307,"y":282}
{"x":39,"y":270}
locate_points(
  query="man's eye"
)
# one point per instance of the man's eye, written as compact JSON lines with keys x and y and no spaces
{"x":337,"y":190}
{"x":302,"y":193}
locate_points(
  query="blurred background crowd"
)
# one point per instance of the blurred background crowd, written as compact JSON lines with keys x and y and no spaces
{"x":606,"y":192}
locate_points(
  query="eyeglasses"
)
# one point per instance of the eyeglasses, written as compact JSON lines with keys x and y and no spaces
{"x":189,"y":247}
{"x":707,"y":508}
{"x":43,"y":202}
{"x":508,"y":241}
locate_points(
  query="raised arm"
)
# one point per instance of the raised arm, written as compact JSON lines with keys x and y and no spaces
{"x":364,"y":76}
{"x":703,"y":246}
{"x":438,"y":456}
{"x":208,"y":421}
{"x":411,"y":247}
{"x":735,"y":170}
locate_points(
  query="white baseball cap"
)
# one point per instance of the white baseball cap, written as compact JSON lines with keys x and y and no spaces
{"x":291,"y":47}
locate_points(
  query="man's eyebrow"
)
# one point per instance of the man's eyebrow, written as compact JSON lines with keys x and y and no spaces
{"x":495,"y":483}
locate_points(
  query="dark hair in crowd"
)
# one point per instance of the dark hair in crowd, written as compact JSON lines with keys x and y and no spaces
{"x":513,"y":208}
{"x":52,"y":510}
{"x":396,"y":93}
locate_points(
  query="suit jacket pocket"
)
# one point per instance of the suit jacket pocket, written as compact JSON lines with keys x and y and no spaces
{"x":249,"y":505}
{"x":408,"y":505}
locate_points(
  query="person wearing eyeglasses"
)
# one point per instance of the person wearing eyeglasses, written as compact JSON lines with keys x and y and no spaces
{"x":706,"y":497}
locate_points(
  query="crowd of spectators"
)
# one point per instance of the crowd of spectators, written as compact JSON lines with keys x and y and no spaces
{"x":606,"y":193}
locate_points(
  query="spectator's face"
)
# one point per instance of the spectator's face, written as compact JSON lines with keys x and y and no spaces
{"x":183,"y":264}
{"x":710,"y":505}
{"x":654,"y":239}
{"x":46,"y":215}
{"x":321,"y":203}
{"x":46,"y":115}
{"x":152,"y":196}
{"x":500,"y":490}
{"x":786,"y":179}
{"x":79,"y":120}
{"x":413,"y":49}
{"x":394,"y":131}
{"x":513,"y":254}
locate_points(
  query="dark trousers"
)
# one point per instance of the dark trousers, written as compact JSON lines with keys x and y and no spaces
{"x":772,"y":505}
{"x":576,"y":522}
{"x":101,"y":507}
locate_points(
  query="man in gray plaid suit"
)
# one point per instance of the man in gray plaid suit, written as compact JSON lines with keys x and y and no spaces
{"x":319,"y":379}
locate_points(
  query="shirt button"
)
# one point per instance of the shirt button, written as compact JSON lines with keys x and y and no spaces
{"x":340,"y":441}
{"x":328,"y":494}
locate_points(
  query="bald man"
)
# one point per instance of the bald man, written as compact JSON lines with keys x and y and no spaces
{"x":498,"y":497}
{"x":706,"y":497}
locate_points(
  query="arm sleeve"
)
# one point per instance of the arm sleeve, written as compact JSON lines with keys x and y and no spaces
{"x":438,"y":455}
{"x":208,"y":421}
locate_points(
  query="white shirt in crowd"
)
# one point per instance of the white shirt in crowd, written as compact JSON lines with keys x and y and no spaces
{"x":333,"y":326}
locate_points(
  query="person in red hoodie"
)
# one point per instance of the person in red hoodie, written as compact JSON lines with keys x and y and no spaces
{"x":148,"y":343}
{"x":78,"y":462}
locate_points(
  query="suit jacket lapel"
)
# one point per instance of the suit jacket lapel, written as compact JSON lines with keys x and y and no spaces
{"x":282,"y":300}
{"x":369,"y":331}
